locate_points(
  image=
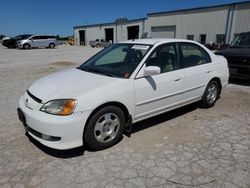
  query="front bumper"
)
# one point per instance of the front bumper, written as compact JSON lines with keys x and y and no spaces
{"x":58,"y":132}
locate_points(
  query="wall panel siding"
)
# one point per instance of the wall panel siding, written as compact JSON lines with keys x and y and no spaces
{"x":209,"y":21}
{"x":241,"y":19}
{"x":228,"y":19}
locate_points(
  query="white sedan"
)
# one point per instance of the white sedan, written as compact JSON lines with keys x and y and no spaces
{"x":125,"y":83}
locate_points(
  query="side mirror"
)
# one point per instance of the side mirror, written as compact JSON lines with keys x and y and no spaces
{"x":151,"y":70}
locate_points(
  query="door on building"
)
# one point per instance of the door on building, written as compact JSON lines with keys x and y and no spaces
{"x":133,"y":32}
{"x":163,"y":32}
{"x":109,"y":34}
{"x":203,"y":38}
{"x":82,"y":37}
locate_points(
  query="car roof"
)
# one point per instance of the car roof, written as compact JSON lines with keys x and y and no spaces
{"x":153,"y":41}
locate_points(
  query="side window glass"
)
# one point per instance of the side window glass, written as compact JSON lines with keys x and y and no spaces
{"x":193,"y":55}
{"x":165,"y":57}
{"x":35,"y":37}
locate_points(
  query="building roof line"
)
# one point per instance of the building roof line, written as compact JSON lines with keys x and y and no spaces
{"x":197,"y":8}
{"x":109,"y":23}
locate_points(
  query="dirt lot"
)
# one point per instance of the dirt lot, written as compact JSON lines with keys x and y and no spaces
{"x":185,"y":148}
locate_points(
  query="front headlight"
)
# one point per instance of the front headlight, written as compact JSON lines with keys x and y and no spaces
{"x":61,"y":107}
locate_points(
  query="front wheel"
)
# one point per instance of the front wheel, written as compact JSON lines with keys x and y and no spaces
{"x":210,"y":95}
{"x":26,"y":46}
{"x":105,"y":127}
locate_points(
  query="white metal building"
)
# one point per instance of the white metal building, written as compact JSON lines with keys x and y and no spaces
{"x":110,"y":31}
{"x":215,"y":23}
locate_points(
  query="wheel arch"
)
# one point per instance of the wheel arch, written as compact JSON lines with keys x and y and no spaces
{"x":217,"y":79}
{"x":26,"y":43}
{"x":52,"y":43}
{"x":113,"y":103}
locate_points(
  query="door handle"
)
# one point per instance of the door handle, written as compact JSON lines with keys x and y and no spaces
{"x":209,"y":71}
{"x":178,"y":79}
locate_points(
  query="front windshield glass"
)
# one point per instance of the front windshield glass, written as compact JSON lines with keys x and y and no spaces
{"x":17,"y":37}
{"x":241,"y":41}
{"x":118,"y":60}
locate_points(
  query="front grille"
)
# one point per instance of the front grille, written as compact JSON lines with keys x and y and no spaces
{"x":34,"y":98}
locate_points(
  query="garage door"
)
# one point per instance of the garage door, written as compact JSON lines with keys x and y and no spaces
{"x":163,"y":32}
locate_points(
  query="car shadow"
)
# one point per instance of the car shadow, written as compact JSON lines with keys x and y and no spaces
{"x":64,"y":154}
{"x":239,"y":82}
{"x":156,"y":120}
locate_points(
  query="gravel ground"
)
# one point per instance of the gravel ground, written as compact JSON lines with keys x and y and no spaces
{"x":188,"y":147}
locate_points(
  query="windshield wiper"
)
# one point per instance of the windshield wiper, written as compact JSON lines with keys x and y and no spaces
{"x":101,"y":72}
{"x":95,"y":71}
{"x":82,"y":68}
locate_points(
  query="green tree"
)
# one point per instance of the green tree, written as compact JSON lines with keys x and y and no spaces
{"x":121,"y":20}
{"x":1,"y":37}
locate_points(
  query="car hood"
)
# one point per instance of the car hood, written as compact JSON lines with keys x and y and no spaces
{"x":234,"y":52}
{"x":69,"y":84}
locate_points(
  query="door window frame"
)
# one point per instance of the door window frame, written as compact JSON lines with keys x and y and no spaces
{"x":178,"y":60}
{"x":204,"y":53}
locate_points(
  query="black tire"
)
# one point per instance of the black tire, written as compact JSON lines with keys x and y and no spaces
{"x":210,"y":95}
{"x":92,"y":136}
{"x":26,"y":46}
{"x":52,"y":45}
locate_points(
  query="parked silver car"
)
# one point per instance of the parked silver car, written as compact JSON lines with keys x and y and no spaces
{"x":99,"y":43}
{"x":37,"y":41}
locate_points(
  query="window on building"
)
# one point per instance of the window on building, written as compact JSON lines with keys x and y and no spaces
{"x":190,"y":37}
{"x":203,"y":38}
{"x":220,"y":38}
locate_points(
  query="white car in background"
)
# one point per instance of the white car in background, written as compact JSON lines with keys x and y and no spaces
{"x":37,"y":41}
{"x":123,"y":84}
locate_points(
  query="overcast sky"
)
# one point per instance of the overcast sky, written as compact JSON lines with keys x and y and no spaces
{"x":60,"y":16}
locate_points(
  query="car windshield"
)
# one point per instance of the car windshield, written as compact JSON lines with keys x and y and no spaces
{"x":118,"y":60}
{"x":241,"y":41}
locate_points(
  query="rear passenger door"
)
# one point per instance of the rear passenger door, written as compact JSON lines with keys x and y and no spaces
{"x":197,"y":68}
{"x":44,"y":41}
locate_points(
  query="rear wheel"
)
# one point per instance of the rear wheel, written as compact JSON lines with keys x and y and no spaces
{"x":52,"y":45}
{"x":26,"y":46}
{"x":104,"y":128}
{"x":211,"y":94}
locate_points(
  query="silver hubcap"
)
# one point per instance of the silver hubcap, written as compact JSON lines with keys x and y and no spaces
{"x":212,"y":93}
{"x":107,"y":127}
